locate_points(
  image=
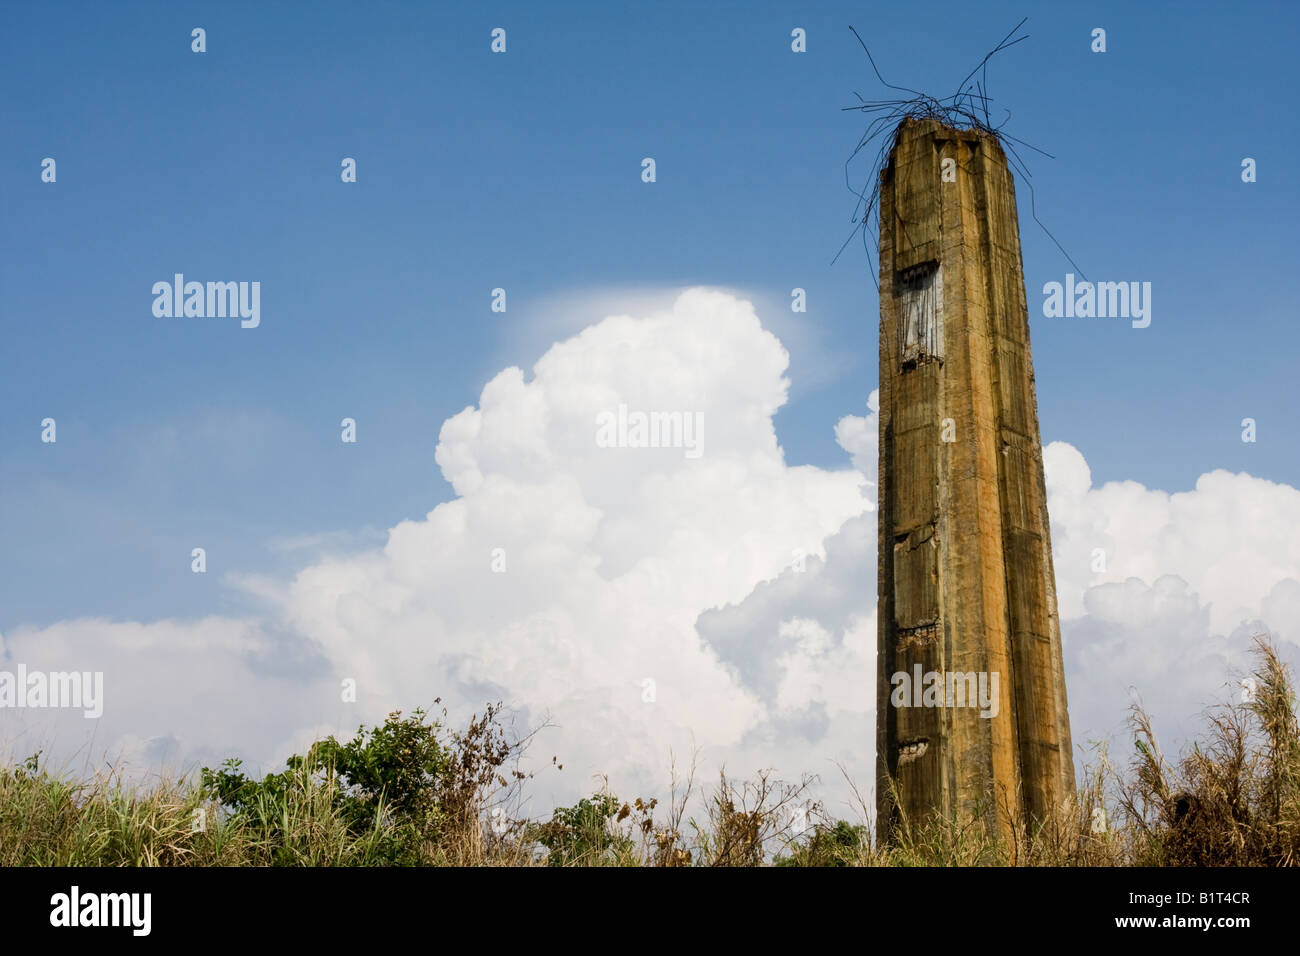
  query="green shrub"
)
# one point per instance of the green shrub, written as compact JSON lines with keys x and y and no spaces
{"x":585,"y":833}
{"x":836,"y":845}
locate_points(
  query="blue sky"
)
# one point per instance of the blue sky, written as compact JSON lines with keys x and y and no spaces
{"x":522,"y":171}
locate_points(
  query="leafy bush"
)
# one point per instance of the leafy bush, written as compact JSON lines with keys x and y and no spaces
{"x":587,"y":833}
{"x":406,"y":783}
{"x":837,"y":845}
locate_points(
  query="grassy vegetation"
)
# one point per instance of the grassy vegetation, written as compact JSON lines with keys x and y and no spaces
{"x":414,"y":792}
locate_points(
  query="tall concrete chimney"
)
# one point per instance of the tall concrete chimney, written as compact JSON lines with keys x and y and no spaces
{"x":967,"y":594}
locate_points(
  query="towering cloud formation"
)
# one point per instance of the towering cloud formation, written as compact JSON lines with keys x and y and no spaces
{"x":648,"y":602}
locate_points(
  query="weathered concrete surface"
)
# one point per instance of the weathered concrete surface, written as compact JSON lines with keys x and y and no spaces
{"x":965,"y":560}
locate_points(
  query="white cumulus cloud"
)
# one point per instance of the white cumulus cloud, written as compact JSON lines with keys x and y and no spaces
{"x":647,"y":601}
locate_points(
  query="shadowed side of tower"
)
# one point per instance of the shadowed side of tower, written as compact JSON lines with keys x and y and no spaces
{"x":967,"y":597}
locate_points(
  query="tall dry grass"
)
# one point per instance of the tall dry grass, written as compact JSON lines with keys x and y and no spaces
{"x":1231,"y":799}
